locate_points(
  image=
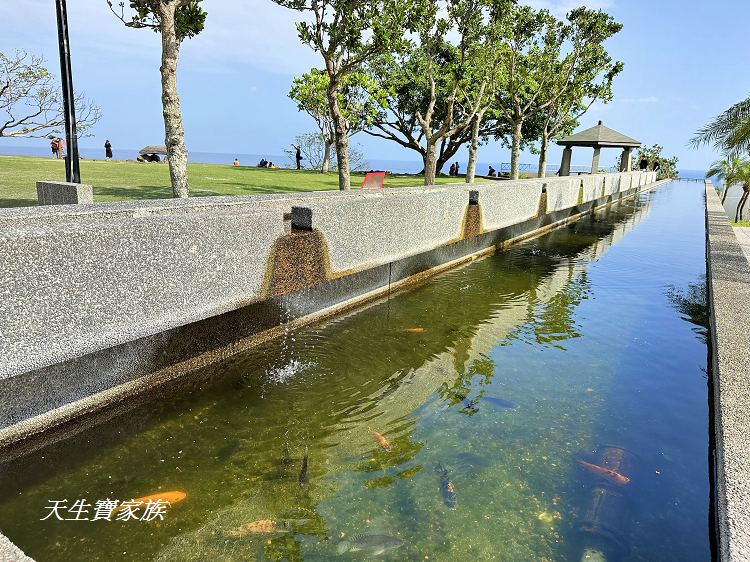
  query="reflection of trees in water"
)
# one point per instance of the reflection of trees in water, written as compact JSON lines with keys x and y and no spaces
{"x":457,"y":392}
{"x":552,"y":323}
{"x":692,"y":304}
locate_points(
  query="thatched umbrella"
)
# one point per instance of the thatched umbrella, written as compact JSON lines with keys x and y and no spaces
{"x":150,"y":153}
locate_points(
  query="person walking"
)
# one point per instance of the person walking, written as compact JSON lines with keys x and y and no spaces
{"x":298,"y":157}
{"x":457,"y":169}
{"x":60,"y":148}
{"x":108,"y":150}
{"x":452,"y":170}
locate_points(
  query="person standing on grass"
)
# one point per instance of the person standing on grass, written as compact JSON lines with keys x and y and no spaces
{"x":298,"y":156}
{"x":457,"y":169}
{"x":55,"y":148}
{"x":108,"y":150}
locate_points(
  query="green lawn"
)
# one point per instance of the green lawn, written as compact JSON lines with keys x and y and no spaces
{"x":121,"y":180}
{"x":741,"y":223}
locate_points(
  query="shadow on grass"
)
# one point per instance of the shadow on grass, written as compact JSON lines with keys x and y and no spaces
{"x":17,"y":202}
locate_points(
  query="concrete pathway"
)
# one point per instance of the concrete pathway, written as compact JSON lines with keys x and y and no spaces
{"x":743,"y":236}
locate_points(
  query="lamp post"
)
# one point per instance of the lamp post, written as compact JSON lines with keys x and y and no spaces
{"x":72,"y":165}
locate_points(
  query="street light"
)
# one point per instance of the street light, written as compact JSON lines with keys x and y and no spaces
{"x":72,"y":165}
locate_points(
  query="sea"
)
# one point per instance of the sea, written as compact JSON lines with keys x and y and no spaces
{"x":285,"y":161}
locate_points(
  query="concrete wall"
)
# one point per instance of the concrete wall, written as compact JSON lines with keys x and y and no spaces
{"x":562,"y":193}
{"x":90,"y":293}
{"x":728,"y":278}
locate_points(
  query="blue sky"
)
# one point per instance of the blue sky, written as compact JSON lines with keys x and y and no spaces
{"x":684,"y":63}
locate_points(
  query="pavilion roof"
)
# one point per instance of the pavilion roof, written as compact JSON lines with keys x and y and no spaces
{"x":599,"y":136}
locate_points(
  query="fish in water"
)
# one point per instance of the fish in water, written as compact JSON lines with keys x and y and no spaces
{"x":267,"y":526}
{"x":606,"y":473}
{"x":382,"y":441}
{"x":499,"y":402}
{"x":446,"y":487}
{"x":374,"y":545}
{"x":170,"y":497}
{"x":303,"y":472}
{"x":413,"y":330}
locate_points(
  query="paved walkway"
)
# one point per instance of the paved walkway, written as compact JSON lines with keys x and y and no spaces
{"x":743,"y":236}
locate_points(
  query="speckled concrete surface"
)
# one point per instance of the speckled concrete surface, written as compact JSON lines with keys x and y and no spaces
{"x":508,"y":202}
{"x":562,"y":193}
{"x":9,"y":552}
{"x":71,"y":289}
{"x":729,"y":301}
{"x":592,"y":186}
{"x":743,"y":237}
{"x":63,"y":193}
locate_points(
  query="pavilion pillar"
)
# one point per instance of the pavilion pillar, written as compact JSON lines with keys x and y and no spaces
{"x":625,"y":163}
{"x":595,"y":161}
{"x":566,"y":158}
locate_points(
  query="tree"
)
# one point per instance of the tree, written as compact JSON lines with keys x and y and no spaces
{"x":728,"y":132}
{"x":577,"y":85}
{"x":315,"y":150}
{"x":175,"y":20}
{"x":435,"y":88}
{"x":31,"y":100}
{"x":358,"y":106}
{"x":652,"y":154}
{"x":728,"y":171}
{"x":529,"y":55}
{"x":347,"y":34}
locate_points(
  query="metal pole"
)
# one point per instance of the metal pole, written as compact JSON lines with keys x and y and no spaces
{"x":72,"y":166}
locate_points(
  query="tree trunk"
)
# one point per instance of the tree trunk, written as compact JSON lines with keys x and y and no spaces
{"x":471,"y":167}
{"x":174,"y":134}
{"x":515,"y":151}
{"x":542,"y":168}
{"x":430,"y":164}
{"x":326,"y":157}
{"x":342,"y":134}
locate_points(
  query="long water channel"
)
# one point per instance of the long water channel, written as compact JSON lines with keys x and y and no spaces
{"x":528,"y":406}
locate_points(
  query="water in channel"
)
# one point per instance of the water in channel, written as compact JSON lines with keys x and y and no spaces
{"x":487,"y":386}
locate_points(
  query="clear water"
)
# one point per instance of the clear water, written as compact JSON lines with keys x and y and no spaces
{"x":591,"y":333}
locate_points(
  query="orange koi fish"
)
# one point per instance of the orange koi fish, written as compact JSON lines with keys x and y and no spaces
{"x":413,"y":330}
{"x":170,"y":497}
{"x":382,"y":441}
{"x":606,"y":473}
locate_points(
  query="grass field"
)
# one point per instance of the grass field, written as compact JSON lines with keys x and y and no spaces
{"x":123,"y":180}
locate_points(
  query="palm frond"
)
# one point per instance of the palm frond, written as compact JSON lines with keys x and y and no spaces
{"x":728,"y":132}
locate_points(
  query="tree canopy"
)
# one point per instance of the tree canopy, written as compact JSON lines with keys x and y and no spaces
{"x":31,"y":99}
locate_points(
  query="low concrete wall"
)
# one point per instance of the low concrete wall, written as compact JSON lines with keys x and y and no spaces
{"x":95,"y":297}
{"x":63,"y":193}
{"x":728,"y":277}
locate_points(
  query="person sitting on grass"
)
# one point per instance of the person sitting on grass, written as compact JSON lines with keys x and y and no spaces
{"x":236,"y":163}
{"x":263,"y":163}
{"x":491,"y":173}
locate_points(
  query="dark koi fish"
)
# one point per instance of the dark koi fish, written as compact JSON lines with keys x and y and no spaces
{"x":446,"y":487}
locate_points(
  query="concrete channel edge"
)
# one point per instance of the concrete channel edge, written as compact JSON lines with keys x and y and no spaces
{"x":728,"y":282}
